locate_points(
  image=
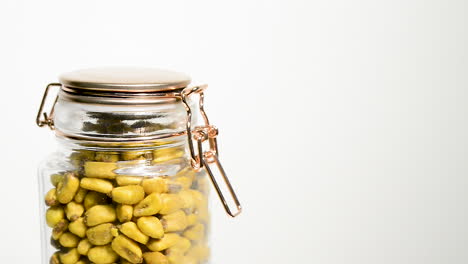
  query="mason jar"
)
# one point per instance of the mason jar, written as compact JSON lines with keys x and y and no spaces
{"x":130,"y":179}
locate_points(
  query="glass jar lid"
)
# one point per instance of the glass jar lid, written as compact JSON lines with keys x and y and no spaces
{"x":124,"y":80}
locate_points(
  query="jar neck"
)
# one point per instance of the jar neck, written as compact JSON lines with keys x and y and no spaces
{"x":112,"y":122}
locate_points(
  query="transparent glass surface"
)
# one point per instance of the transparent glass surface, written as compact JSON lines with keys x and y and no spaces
{"x":122,"y":202}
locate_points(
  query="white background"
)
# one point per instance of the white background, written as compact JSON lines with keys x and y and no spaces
{"x":343,"y":123}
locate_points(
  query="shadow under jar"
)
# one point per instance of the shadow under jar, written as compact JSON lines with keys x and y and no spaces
{"x":129,"y":180}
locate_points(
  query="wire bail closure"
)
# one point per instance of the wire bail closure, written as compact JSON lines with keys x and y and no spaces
{"x":209,"y":158}
{"x":48,"y":119}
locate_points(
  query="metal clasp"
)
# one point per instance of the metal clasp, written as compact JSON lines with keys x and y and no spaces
{"x":48,"y":119}
{"x":209,"y":158}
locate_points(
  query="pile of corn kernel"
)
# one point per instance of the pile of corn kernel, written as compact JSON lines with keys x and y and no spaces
{"x":99,"y":216}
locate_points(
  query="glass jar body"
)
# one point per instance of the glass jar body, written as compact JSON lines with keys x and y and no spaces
{"x":123,"y":203}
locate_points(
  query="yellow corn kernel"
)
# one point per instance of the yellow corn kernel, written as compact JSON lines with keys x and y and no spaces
{"x":182,"y":246}
{"x":170,"y":203}
{"x":188,"y":200}
{"x":167,"y":241}
{"x":56,"y":178}
{"x":124,"y":212}
{"x":51,"y":197}
{"x":200,"y":252}
{"x":96,"y":169}
{"x":128,"y":180}
{"x":74,"y":210}
{"x":94,"y":198}
{"x":80,"y":195}
{"x":184,"y":181}
{"x":102,"y":255}
{"x":150,"y":226}
{"x":59,"y":229}
{"x":67,"y":188}
{"x":130,"y":194}
{"x":70,"y":256}
{"x":54,"y":215}
{"x":196,"y":232}
{"x":106,"y":156}
{"x":78,"y":227}
{"x":84,"y":246}
{"x":155,"y":258}
{"x":54,"y":259}
{"x":192,"y":219}
{"x":100,"y":214}
{"x":127,"y":249}
{"x":132,"y":155}
{"x":69,"y":240}
{"x":176,"y":221}
{"x":131,"y":230}
{"x":98,"y":185}
{"x":101,"y":234}
{"x":165,"y":154}
{"x":159,"y":185}
{"x":149,"y":206}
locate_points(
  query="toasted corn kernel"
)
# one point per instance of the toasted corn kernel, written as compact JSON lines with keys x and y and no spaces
{"x":130,"y":194}
{"x":149,"y":206}
{"x":132,"y":155}
{"x":96,"y":169}
{"x":59,"y":229}
{"x":78,"y":227}
{"x":84,"y":246}
{"x":170,"y":203}
{"x":98,"y":185}
{"x":106,"y":156}
{"x":56,"y":244}
{"x":155,"y":258}
{"x":70,"y":256}
{"x":200,"y":252}
{"x":56,"y":178}
{"x":74,"y":210}
{"x":188,"y":199}
{"x":94,"y":198}
{"x":167,"y":241}
{"x":69,"y":240}
{"x":131,"y":230}
{"x":150,"y":226}
{"x":124,"y":212}
{"x":54,"y":259}
{"x":102,"y":255}
{"x":181,"y":259}
{"x":195,"y":232}
{"x":51,"y":197}
{"x":127,"y":249}
{"x":67,"y":188}
{"x":160,"y":185}
{"x":54,"y":215}
{"x":77,"y":158}
{"x":128,"y":180}
{"x":80,"y":195}
{"x":176,"y":221}
{"x":184,"y":181}
{"x":192,"y":219}
{"x":182,"y":245}
{"x":101,"y":234}
{"x":100,"y":214}
{"x":165,"y":154}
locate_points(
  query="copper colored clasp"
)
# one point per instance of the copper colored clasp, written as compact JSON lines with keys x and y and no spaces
{"x":48,"y":119}
{"x":209,"y":158}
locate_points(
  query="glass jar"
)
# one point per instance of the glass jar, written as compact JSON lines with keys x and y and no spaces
{"x":129,"y":180}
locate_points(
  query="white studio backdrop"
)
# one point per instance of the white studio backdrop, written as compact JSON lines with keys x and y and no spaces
{"x":343,"y":123}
